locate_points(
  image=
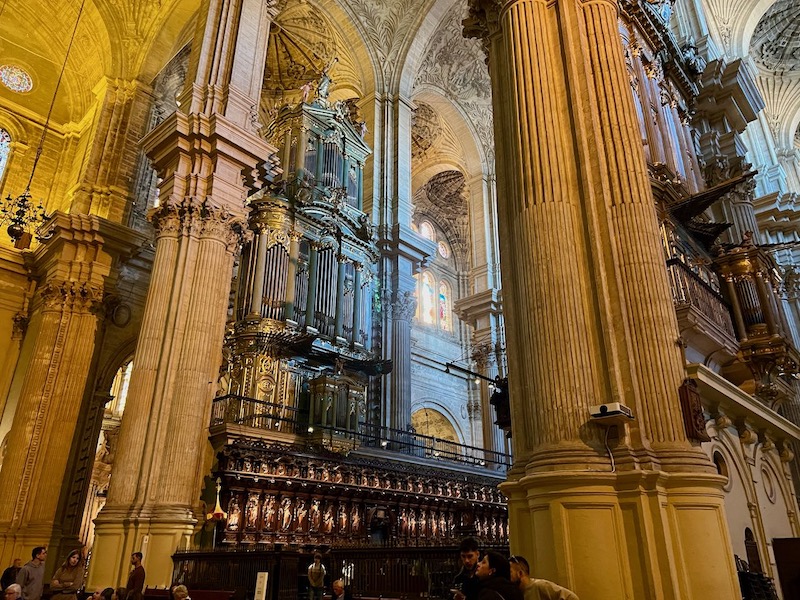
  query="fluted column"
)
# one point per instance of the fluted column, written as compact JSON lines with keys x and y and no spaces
{"x":589,"y":318}
{"x":73,"y":264}
{"x":403,"y":308}
{"x":205,"y":154}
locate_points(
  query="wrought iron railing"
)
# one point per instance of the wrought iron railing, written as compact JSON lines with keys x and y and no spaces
{"x":239,"y":410}
{"x":689,"y":288}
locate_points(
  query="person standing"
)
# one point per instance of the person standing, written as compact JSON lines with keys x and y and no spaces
{"x":316,"y":578}
{"x":69,"y":577}
{"x":466,"y":584}
{"x":31,"y":577}
{"x":536,"y":589}
{"x":135,"y":584}
{"x":10,"y":574}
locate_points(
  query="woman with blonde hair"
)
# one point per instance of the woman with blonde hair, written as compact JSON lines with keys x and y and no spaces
{"x":68,"y":579}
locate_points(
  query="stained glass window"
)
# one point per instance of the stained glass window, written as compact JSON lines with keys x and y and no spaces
{"x":426,"y":230}
{"x":445,"y":322}
{"x":5,"y":149}
{"x":16,"y":78}
{"x":444,"y":251}
{"x":427,"y":304}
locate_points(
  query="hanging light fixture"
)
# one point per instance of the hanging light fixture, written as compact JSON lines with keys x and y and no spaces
{"x":22,"y":213}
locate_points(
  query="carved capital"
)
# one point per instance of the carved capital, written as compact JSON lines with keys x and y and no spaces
{"x":404,"y":306}
{"x":482,"y":354}
{"x":483,"y":20}
{"x":72,"y":296}
{"x":205,"y":220}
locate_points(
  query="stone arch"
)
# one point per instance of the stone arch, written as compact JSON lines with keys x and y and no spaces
{"x":444,"y":419}
{"x":742,"y":29}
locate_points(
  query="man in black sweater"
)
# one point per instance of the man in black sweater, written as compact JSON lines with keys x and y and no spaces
{"x":466,"y":584}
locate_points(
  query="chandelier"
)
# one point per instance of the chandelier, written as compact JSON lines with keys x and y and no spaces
{"x":22,"y":214}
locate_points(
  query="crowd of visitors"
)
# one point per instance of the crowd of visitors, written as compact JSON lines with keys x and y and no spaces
{"x":490,"y":577}
{"x":27,"y":582}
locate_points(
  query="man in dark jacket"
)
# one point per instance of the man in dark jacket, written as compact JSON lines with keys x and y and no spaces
{"x":10,"y":574}
{"x":494,"y":574}
{"x":465,"y":584}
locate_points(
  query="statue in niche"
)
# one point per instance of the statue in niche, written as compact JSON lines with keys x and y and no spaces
{"x":442,"y":525}
{"x":423,"y":522}
{"x":337,"y":476}
{"x":251,"y":511}
{"x":234,"y":515}
{"x":312,"y":472}
{"x":493,"y":526}
{"x":342,"y":518}
{"x":247,"y":465}
{"x":302,"y":515}
{"x":269,"y":513}
{"x":326,"y":474}
{"x":285,"y":514}
{"x":364,"y":479}
{"x":376,"y":481}
{"x":434,"y":525}
{"x":355,"y":519}
{"x":403,"y":522}
{"x":412,"y":522}
{"x":450,"y":524}
{"x":264,"y":468}
{"x":328,"y":519}
{"x":315,"y":517}
{"x":281,"y":470}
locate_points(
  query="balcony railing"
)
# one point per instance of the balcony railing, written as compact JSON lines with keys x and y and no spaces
{"x":688,"y":288}
{"x":239,"y":410}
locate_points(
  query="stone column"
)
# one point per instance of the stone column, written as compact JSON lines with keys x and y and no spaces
{"x":404,"y":306}
{"x":590,"y":319}
{"x":205,"y":157}
{"x":73,"y":266}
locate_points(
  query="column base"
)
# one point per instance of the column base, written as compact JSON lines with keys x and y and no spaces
{"x":636,"y":534}
{"x":118,"y":534}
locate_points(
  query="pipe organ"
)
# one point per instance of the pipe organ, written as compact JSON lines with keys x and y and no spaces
{"x":300,"y":337}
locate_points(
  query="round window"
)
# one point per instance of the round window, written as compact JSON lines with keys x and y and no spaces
{"x":16,"y":78}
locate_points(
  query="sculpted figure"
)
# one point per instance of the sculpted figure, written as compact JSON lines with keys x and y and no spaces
{"x":234,"y":515}
{"x":252,"y":511}
{"x":316,"y":517}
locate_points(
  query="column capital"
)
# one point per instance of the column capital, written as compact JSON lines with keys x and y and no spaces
{"x":404,"y":306}
{"x":189,"y":217}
